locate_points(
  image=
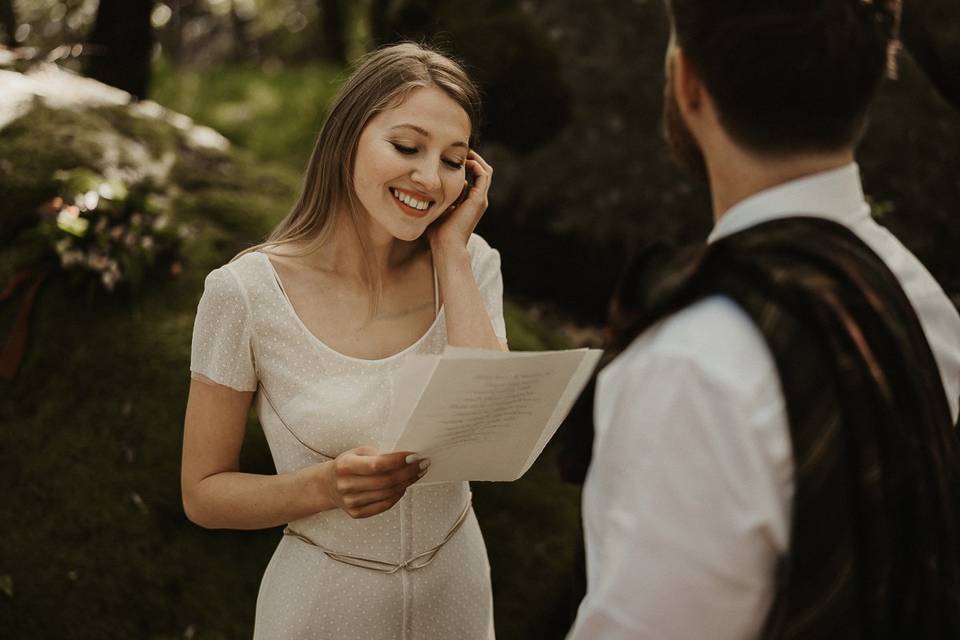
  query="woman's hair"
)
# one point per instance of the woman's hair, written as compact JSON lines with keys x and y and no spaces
{"x":381,"y":80}
{"x":790,"y":75}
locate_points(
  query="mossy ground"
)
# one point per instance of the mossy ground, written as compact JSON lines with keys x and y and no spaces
{"x":94,"y":543}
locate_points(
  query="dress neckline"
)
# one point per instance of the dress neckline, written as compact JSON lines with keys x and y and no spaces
{"x":278,"y":288}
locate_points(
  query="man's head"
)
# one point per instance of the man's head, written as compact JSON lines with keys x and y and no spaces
{"x":782,"y":76}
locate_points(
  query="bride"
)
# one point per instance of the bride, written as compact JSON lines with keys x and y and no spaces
{"x":376,"y":261}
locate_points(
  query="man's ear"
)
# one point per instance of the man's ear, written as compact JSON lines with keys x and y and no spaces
{"x":687,"y":85}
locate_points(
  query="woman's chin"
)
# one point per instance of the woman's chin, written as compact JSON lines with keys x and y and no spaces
{"x":410,"y":234}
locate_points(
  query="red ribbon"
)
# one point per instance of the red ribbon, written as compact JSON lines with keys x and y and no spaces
{"x":16,"y":344}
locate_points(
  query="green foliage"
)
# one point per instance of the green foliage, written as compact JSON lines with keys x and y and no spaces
{"x":526,"y":334}
{"x":276,"y":115}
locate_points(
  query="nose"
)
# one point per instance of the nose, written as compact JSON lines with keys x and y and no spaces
{"x":427,"y":175}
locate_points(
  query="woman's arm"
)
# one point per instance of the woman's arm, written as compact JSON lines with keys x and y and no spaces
{"x":468,"y":323}
{"x":217,"y":495}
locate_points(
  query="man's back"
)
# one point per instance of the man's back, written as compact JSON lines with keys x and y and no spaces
{"x":693,"y":473}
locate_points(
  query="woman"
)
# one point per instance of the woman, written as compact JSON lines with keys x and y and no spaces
{"x":376,"y":261}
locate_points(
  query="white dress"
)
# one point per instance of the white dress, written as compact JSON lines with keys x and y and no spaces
{"x":311,"y":400}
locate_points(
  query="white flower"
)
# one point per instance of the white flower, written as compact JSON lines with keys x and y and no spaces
{"x":97,"y":261}
{"x":73,"y":224}
{"x":146,"y":242}
{"x":109,"y":279}
{"x":90,"y":200}
{"x":70,"y":258}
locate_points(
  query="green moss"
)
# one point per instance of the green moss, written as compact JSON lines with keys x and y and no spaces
{"x":29,"y":147}
{"x":158,"y":136}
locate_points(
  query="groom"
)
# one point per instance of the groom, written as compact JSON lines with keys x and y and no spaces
{"x":774,"y":452}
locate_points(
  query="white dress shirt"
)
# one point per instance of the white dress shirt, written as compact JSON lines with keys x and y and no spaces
{"x":686,"y":505}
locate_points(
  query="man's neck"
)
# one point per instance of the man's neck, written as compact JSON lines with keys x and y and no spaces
{"x":736,"y":175}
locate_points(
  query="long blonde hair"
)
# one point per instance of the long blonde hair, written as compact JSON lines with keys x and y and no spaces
{"x":381,"y":80}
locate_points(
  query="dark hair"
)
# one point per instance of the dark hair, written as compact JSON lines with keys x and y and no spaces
{"x":789,"y":75}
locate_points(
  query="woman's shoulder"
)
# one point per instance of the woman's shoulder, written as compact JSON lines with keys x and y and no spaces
{"x":235,"y":277}
{"x":480,"y":250}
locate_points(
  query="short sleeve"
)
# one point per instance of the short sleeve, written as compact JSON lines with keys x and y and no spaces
{"x":221,"y":350}
{"x":486,"y":270}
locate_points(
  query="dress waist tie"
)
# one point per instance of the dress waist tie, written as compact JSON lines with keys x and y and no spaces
{"x":418,"y":561}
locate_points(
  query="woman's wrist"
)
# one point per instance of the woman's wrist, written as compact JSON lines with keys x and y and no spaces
{"x":315,"y":485}
{"x":450,"y":253}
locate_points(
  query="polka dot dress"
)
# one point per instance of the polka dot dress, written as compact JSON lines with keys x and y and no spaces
{"x":248,"y":337}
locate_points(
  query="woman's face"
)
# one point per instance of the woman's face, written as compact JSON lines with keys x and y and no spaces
{"x":410,"y":163}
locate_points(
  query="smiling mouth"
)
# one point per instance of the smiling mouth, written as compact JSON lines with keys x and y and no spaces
{"x":411,"y":205}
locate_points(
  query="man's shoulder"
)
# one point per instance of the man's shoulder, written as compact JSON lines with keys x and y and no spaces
{"x":713,"y":339}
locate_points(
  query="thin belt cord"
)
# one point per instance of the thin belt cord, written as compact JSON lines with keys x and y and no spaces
{"x":266,"y":396}
{"x":380,"y":565}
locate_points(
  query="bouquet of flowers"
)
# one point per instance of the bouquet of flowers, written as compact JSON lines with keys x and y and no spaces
{"x":104,"y":231}
{"x":103,"y":234}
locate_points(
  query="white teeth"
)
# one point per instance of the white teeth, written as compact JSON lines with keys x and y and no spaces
{"x":407,"y":200}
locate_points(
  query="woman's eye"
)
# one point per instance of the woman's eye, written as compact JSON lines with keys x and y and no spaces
{"x":453,"y":164}
{"x":404,"y":149}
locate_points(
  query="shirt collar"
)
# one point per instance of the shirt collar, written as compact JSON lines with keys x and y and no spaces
{"x":836,"y":195}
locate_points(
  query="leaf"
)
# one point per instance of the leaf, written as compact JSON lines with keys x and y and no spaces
{"x":6,"y":584}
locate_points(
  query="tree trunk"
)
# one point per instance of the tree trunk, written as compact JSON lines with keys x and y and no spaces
{"x":245,"y":48}
{"x":334,"y":42}
{"x":8,"y":19}
{"x":120,"y":45}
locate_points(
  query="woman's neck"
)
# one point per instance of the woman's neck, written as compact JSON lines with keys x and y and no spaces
{"x":344,"y":253}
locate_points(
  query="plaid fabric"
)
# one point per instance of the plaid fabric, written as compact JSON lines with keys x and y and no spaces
{"x":875,"y":532}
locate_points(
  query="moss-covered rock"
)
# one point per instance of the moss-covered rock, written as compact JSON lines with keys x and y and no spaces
{"x":94,"y":542}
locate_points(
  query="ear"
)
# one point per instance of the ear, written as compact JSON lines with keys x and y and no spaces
{"x":687,"y":85}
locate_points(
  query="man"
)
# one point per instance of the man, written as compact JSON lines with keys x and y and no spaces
{"x":784,"y":363}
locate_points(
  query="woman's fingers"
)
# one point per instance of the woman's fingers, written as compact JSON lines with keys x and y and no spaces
{"x":358,"y":484}
{"x":365,"y":482}
{"x":372,"y":464}
{"x":373,"y":509}
{"x":483,"y":173}
{"x":368,"y":503}
{"x":357,"y":500}
{"x":478,"y":158}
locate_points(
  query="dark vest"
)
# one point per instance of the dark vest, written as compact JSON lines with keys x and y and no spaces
{"x":875,"y":529}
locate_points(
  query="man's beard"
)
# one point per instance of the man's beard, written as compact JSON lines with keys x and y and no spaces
{"x":686,"y":151}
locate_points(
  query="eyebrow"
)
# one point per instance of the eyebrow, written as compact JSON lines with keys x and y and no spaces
{"x":426,"y":134}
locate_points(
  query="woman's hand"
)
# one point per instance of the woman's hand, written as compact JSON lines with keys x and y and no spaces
{"x":363,"y":483}
{"x":453,"y":228}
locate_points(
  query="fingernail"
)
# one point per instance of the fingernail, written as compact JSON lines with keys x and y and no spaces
{"x":410,"y":459}
{"x":424,"y":464}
